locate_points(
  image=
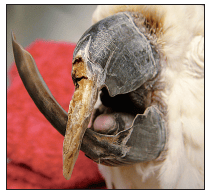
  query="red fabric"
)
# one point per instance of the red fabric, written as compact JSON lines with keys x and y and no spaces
{"x":34,"y":147}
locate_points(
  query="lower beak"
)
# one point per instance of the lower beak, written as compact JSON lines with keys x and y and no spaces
{"x":80,"y":109}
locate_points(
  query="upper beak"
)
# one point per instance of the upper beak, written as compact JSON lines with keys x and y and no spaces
{"x":118,"y":54}
{"x":80,"y":109}
{"x":117,"y":67}
{"x":111,"y":54}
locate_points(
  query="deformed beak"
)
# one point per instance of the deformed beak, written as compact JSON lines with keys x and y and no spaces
{"x":119,"y":67}
{"x":80,"y":109}
{"x":37,"y":88}
{"x":114,"y":54}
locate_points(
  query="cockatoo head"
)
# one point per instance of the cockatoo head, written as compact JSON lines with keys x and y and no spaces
{"x":117,"y":59}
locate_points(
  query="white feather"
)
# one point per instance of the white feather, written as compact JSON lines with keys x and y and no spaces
{"x":181,"y":41}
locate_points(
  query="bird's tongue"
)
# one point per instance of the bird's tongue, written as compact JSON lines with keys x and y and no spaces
{"x":103,"y":123}
{"x":112,"y":123}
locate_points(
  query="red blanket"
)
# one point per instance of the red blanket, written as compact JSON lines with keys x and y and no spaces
{"x":34,"y":147}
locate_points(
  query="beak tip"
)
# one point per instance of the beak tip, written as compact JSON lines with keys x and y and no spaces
{"x":13,"y":35}
{"x":66,"y":176}
{"x":67,"y":172}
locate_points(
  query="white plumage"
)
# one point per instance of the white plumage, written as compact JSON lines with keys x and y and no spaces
{"x":179,"y":32}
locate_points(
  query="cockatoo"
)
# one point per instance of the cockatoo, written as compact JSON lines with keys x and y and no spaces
{"x":138,"y":106}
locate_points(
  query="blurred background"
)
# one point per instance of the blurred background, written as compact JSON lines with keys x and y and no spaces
{"x":49,"y":22}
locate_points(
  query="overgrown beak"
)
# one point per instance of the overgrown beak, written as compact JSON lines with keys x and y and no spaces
{"x":80,"y":109}
{"x":114,"y":54}
{"x":107,"y":55}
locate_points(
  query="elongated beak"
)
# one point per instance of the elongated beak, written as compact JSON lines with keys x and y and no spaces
{"x":80,"y":109}
{"x":102,"y":58}
{"x":37,"y":88}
